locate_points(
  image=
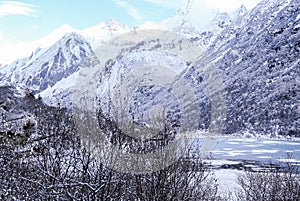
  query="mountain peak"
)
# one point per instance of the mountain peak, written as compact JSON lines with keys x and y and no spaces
{"x":114,"y":23}
{"x":72,"y":35}
{"x":65,"y":28}
{"x":238,"y":12}
{"x":104,"y":31}
{"x":186,"y":9}
{"x":55,"y":36}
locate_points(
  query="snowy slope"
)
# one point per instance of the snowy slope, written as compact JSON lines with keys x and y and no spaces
{"x":94,"y":35}
{"x":256,"y":52}
{"x":259,"y":59}
{"x":45,"y":67}
{"x":25,"y":49}
{"x":55,"y":60}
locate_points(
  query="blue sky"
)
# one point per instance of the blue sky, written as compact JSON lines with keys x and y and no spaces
{"x":26,"y":20}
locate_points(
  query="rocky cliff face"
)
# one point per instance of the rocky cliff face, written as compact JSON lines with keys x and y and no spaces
{"x":16,"y":122}
{"x":26,"y":123}
{"x":259,"y":59}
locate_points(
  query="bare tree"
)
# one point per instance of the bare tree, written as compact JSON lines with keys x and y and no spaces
{"x":271,"y":185}
{"x":51,"y":163}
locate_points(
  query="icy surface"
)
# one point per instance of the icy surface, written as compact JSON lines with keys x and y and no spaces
{"x":262,"y":150}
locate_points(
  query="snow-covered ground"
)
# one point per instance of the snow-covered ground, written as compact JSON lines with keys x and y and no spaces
{"x":228,"y":181}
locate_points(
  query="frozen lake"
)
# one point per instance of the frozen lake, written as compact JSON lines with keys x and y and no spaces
{"x":257,"y":149}
{"x":264,"y":151}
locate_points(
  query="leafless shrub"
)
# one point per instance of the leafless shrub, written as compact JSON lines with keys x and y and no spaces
{"x":53,"y":165}
{"x":272,"y":185}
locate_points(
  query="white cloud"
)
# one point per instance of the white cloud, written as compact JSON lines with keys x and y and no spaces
{"x":168,"y":3}
{"x":16,"y":8}
{"x":224,"y":6}
{"x":131,"y":10}
{"x":231,"y":5}
{"x":12,"y":50}
{"x":2,"y":37}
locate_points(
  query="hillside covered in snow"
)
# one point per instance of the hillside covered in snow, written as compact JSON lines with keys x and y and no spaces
{"x":255,"y":52}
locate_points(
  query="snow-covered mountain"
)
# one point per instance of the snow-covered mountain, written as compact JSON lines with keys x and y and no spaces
{"x":104,"y":31}
{"x":255,"y":51}
{"x":259,"y":59}
{"x":61,"y":53}
{"x":45,"y":67}
{"x":197,"y":20}
{"x":95,"y":35}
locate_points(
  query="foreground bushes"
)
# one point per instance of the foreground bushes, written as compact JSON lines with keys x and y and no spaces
{"x":51,"y":164}
{"x":270,"y":186}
